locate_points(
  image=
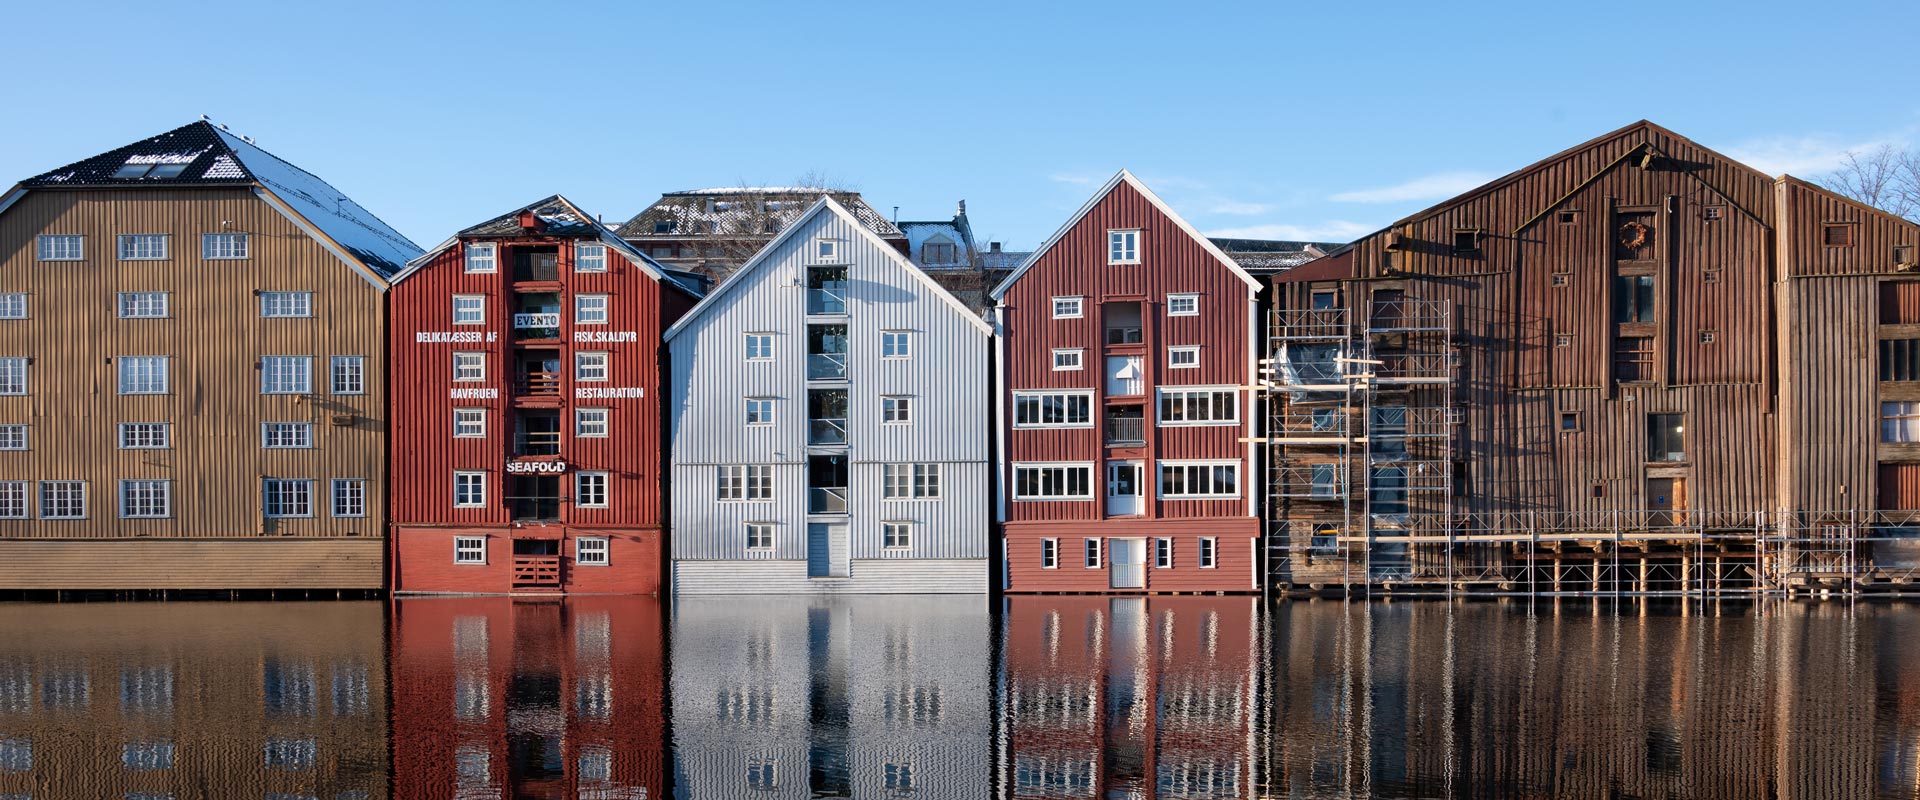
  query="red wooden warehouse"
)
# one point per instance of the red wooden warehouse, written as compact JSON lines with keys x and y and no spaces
{"x":526,"y":419}
{"x":1126,"y":350}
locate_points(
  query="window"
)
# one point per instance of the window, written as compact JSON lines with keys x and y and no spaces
{"x":1163,"y":553}
{"x":1199,"y":479}
{"x":286,"y":435}
{"x":481,"y":258}
{"x":285,"y":497}
{"x":910,"y":481}
{"x":1183,"y":357}
{"x":145,"y":436}
{"x":63,"y":499}
{"x":1199,"y":406}
{"x":1123,"y":247}
{"x":469,"y":550}
{"x":590,"y":551}
{"x":469,"y":423}
{"x":1563,"y":340}
{"x":143,"y":247}
{"x":143,"y":305}
{"x":759,"y":347}
{"x":939,"y":253}
{"x":1208,"y":547}
{"x":1900,"y":359}
{"x":1183,"y":305}
{"x":759,"y":536}
{"x":278,"y":305}
{"x":13,"y":305}
{"x":14,"y":437}
{"x":142,"y":756}
{"x":1466,"y":242}
{"x":1093,"y":553}
{"x":1325,"y":299}
{"x":1324,"y":480}
{"x":750,"y":482}
{"x":13,"y":499}
{"x":469,"y":309}
{"x":1567,"y":217}
{"x":590,"y":309}
{"x":469,"y":366}
{"x":590,"y":366}
{"x":146,"y":499}
{"x":826,"y":249}
{"x":1709,"y":336}
{"x":896,"y":535}
{"x":899,"y":777}
{"x":62,"y":247}
{"x":286,"y":375}
{"x":589,"y":258}
{"x":1069,"y":307}
{"x":759,"y":411}
{"x":1633,"y":298}
{"x":1052,"y":482}
{"x":143,"y":374}
{"x":349,"y":375}
{"x":1666,"y":439}
{"x":13,"y":375}
{"x":349,"y":497}
{"x":1899,"y":423}
{"x":1049,"y":553}
{"x":1569,"y":421}
{"x":1836,"y":235}
{"x":590,"y":489}
{"x":1559,"y":279}
{"x":591,"y":423}
{"x":1073,"y":409}
{"x":1633,"y":359}
{"x":1067,"y":360}
{"x":469,"y":489}
{"x":763,"y":775}
{"x":223,"y":246}
{"x":896,"y":410}
{"x":896,"y":344}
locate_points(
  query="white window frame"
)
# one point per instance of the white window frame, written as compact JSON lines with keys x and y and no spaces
{"x":302,"y":367}
{"x":17,"y":436}
{"x":284,"y":485}
{"x":469,"y":366}
{"x":13,"y":305}
{"x":585,"y":314}
{"x":1899,"y":422}
{"x":1049,"y":553}
{"x":1209,"y":555}
{"x":470,"y":550}
{"x":302,"y":435}
{"x":474,"y":311}
{"x":11,"y":367}
{"x":1066,"y":468}
{"x":592,"y":423}
{"x":349,"y":493}
{"x":134,"y":243}
{"x":589,"y":258}
{"x":1174,"y":355}
{"x":896,"y":535}
{"x":581,"y":491}
{"x":1066,"y":395}
{"x":1163,"y":552}
{"x":754,"y":531}
{"x":1209,"y":465}
{"x":826,"y":250}
{"x":479,"y":257}
{"x":1077,"y":355}
{"x":474,"y":479}
{"x":1123,"y":246}
{"x":592,"y":366}
{"x":139,"y":435}
{"x":225,"y":246}
{"x":53,"y":247}
{"x":592,"y":551}
{"x":349,"y":375}
{"x":1077,"y":306}
{"x":1093,"y":553}
{"x":896,"y":345}
{"x":15,"y":500}
{"x":286,"y":305}
{"x":1176,"y":299}
{"x":759,"y":338}
{"x":47,"y":488}
{"x":164,"y":498}
{"x":743,"y":483}
{"x":1160,"y":398}
{"x":760,"y":411}
{"x":910,"y":481}
{"x":131,"y":305}
{"x":128,"y":368}
{"x":896,"y":409}
{"x":476,"y":418}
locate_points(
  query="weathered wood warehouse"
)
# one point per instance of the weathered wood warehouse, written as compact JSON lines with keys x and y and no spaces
{"x":826,"y":424}
{"x":192,"y":379}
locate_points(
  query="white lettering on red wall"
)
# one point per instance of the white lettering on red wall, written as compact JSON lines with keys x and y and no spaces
{"x":608,"y":392}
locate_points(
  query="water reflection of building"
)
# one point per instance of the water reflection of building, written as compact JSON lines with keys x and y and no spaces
{"x":1131,"y":697}
{"x":193,"y":700}
{"x":497,"y":697}
{"x":847,"y":697}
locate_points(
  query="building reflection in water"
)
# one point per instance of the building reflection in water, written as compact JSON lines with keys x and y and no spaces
{"x":192,"y":700}
{"x":778,"y":697}
{"x":499,"y":697}
{"x":1131,"y":697}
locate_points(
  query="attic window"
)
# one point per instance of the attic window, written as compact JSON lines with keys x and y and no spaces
{"x":1902,"y":255}
{"x":1568,"y":217}
{"x":1466,"y":241}
{"x":1836,"y":234}
{"x":828,"y":249}
{"x":663,"y":226}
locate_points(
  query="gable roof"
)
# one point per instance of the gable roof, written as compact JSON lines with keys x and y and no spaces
{"x":734,"y":211}
{"x":200,"y":154}
{"x":1126,"y":177}
{"x":826,"y":204}
{"x":561,"y":218}
{"x":1269,"y":256}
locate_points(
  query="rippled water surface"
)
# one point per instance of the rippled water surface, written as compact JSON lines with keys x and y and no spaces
{"x":935,"y":697}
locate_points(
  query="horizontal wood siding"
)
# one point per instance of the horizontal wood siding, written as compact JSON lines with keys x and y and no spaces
{"x":423,"y":560}
{"x":1236,"y":557}
{"x":879,"y":576}
{"x":181,"y":563}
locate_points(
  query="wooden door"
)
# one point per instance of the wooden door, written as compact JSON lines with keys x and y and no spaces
{"x":1899,"y":488}
{"x":828,"y":551}
{"x":1128,"y":563}
{"x":1667,"y":499}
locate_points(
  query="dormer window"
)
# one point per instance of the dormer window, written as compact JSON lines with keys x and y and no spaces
{"x":1123,"y":247}
{"x":482,"y":257}
{"x":938,"y":252}
{"x":663,"y":226}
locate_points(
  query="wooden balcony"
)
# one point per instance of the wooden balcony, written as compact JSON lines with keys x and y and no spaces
{"x":536,"y":572}
{"x":537,"y":384}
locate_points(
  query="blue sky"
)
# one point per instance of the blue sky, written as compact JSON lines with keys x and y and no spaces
{"x":1278,"y":119}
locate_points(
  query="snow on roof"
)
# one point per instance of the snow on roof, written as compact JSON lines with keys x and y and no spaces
{"x":364,"y":235}
{"x":726,"y":190}
{"x":743,"y":213}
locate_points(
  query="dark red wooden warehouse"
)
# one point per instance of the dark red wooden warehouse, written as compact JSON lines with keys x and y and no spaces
{"x":526,"y":434}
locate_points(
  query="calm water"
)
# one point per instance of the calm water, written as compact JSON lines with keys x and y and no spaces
{"x":1056,"y":697}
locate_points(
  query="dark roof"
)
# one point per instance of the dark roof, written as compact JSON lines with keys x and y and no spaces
{"x":1272,"y":255}
{"x":732,"y":211}
{"x":199,"y":154}
{"x":1004,"y":261}
{"x":560,"y":217}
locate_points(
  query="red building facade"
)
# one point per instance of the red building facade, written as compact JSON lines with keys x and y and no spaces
{"x":1126,"y":349}
{"x":526,"y":435}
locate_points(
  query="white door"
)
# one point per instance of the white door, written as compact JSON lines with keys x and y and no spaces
{"x":1123,"y":489}
{"x":1125,"y":377}
{"x":828,"y":553}
{"x":1128,"y":568}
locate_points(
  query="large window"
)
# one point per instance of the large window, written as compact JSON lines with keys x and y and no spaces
{"x":62,"y":247}
{"x":590,"y":309}
{"x":1900,"y":423}
{"x":223,"y":246}
{"x":1666,"y":438}
{"x":469,"y":489}
{"x":143,"y":374}
{"x":143,"y":247}
{"x":286,"y":374}
{"x":590,"y":366}
{"x":910,"y":481}
{"x":349,"y":375}
{"x":349,"y":497}
{"x":1069,"y":409}
{"x":469,"y":550}
{"x":1052,"y":482}
{"x":1123,"y":247}
{"x":63,"y":499}
{"x":590,"y":489}
{"x":143,"y":305}
{"x":1633,"y":298}
{"x":1900,"y":359}
{"x":146,"y":499}
{"x":13,"y":375}
{"x":1199,"y":480}
{"x":590,"y":551}
{"x":481,"y":257}
{"x":280,"y":305}
{"x":286,"y":435}
{"x":1200,"y":405}
{"x":145,"y":436}
{"x":287,"y":497}
{"x":744,"y":482}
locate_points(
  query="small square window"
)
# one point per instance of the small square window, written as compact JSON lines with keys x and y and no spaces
{"x":223,"y":246}
{"x":1711,"y":276}
{"x":896,"y":535}
{"x":759,"y":347}
{"x":590,"y":258}
{"x":1123,"y":247}
{"x":827,"y":249}
{"x":590,"y":551}
{"x":1560,"y":279}
{"x":590,"y":491}
{"x":13,"y":305}
{"x":1466,"y":241}
{"x":482,"y":257}
{"x":1325,"y":299}
{"x":896,"y":410}
{"x":1563,"y":340}
{"x":1903,"y":255}
{"x":1183,"y":305}
{"x":759,"y":411}
{"x":1714,"y":212}
{"x":469,"y":550}
{"x":1185,"y":357}
{"x":1067,"y":360}
{"x":469,"y":366}
{"x":469,"y":423}
{"x":469,"y":489}
{"x":1069,"y":307}
{"x":896,"y":344}
{"x":14,"y":437}
{"x":1708,"y":336}
{"x":1568,"y":217}
{"x":590,"y":367}
{"x":759,"y":536}
{"x":590,"y":309}
{"x":663,"y":226}
{"x":1836,"y":235}
{"x":1569,"y":421}
{"x":592,"y":423}
{"x":469,"y":309}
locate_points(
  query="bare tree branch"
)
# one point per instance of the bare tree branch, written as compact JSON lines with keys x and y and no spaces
{"x":1887,"y":178}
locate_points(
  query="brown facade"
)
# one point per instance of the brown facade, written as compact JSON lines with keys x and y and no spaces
{"x":213,"y":531}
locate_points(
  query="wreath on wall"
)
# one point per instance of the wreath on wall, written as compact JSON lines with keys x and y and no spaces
{"x":1633,"y":235}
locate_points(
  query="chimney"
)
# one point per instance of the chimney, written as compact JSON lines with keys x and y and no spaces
{"x":530,"y":222}
{"x":963,"y":209}
{"x":993,"y":247}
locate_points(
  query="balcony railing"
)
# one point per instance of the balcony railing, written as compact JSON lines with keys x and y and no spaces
{"x":827,"y":301}
{"x":826,"y":366}
{"x":827,"y":431}
{"x":541,"y":319}
{"x":1126,"y":431}
{"x":545,"y":271}
{"x":827,"y":500}
{"x":1124,"y":335}
{"x":537,"y":443}
{"x":538,"y":384}
{"x":536,"y":570}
